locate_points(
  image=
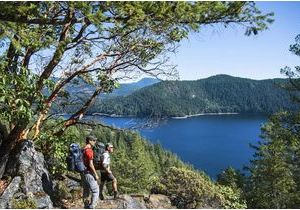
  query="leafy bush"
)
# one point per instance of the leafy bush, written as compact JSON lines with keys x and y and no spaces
{"x":56,"y":148}
{"x":188,"y":189}
{"x":232,"y":197}
{"x":192,"y":189}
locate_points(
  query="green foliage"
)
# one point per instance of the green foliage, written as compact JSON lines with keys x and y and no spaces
{"x":56,"y":148}
{"x":15,"y":90}
{"x":26,"y":203}
{"x":216,"y":94}
{"x":232,"y":178}
{"x":294,"y":74}
{"x":232,"y":198}
{"x":274,"y":180}
{"x":134,"y":166}
{"x":191,"y":189}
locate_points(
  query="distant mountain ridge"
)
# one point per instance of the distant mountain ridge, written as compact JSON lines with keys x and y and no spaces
{"x":79,"y":87}
{"x":78,"y":91}
{"x":216,"y":94}
{"x":128,"y":88}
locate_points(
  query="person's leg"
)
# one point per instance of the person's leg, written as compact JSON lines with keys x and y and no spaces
{"x":86,"y":191}
{"x":95,"y":194}
{"x":93,"y":185}
{"x":101,"y":187}
{"x":114,"y":185}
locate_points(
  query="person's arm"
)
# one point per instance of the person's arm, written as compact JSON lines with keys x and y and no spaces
{"x":91,"y":164}
{"x":106,"y":168}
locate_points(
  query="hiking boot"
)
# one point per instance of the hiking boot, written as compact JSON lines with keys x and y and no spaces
{"x":86,"y":205}
{"x":101,"y":196}
{"x":116,"y":194}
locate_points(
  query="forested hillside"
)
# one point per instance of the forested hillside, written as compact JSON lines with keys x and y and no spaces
{"x":217,"y":94}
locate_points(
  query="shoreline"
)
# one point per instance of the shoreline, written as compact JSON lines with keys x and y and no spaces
{"x":204,"y":114}
{"x":179,"y":117}
{"x":110,"y":115}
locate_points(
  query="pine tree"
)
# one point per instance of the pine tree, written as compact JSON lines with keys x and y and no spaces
{"x":274,"y":171}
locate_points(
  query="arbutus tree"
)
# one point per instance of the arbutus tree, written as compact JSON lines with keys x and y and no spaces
{"x":98,"y":42}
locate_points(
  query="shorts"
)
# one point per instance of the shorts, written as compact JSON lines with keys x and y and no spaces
{"x":107,"y":177}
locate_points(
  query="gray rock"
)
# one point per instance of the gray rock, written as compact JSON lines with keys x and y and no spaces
{"x":9,"y":192}
{"x":43,"y":202}
{"x":133,"y":203}
{"x":158,"y":201}
{"x":29,"y":166}
{"x":72,"y":184}
{"x":123,"y":202}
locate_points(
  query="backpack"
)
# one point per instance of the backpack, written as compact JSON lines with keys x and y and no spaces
{"x":75,"y":159}
{"x":98,"y":149}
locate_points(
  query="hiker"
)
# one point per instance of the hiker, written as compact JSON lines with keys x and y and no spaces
{"x":90,"y":176}
{"x":106,"y":174}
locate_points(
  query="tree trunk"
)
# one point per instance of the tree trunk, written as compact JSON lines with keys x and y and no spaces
{"x":7,"y":146}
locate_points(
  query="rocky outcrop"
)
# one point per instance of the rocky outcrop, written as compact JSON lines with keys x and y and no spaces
{"x":156,"y":201}
{"x":31,"y":179}
{"x":9,"y":193}
{"x":137,"y":202}
{"x":70,"y":193}
{"x":31,"y":187}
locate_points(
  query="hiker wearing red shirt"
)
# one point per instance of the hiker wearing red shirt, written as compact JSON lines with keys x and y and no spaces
{"x":90,"y":176}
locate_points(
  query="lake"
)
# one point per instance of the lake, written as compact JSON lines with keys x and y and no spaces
{"x":210,"y":142}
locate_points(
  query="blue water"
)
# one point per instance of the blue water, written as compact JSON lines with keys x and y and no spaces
{"x":211,"y":143}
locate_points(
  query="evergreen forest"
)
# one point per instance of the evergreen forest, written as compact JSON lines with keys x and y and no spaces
{"x":217,"y":94}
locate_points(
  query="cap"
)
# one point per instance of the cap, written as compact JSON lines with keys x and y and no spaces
{"x":90,"y":138}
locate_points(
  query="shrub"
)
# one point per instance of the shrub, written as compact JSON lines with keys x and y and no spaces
{"x":192,"y":189}
{"x":189,"y":189}
{"x":232,"y":197}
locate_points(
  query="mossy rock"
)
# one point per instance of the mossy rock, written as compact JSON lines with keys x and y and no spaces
{"x":62,"y":191}
{"x":26,"y":203}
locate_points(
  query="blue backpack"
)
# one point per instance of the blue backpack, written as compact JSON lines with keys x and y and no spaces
{"x":75,"y":159}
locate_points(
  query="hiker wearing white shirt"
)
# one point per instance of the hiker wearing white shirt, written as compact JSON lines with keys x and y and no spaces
{"x":106,"y":173}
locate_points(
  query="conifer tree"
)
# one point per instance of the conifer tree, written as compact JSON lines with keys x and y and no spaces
{"x":274,"y":169}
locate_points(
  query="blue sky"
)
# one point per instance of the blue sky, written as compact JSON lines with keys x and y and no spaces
{"x":216,"y":50}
